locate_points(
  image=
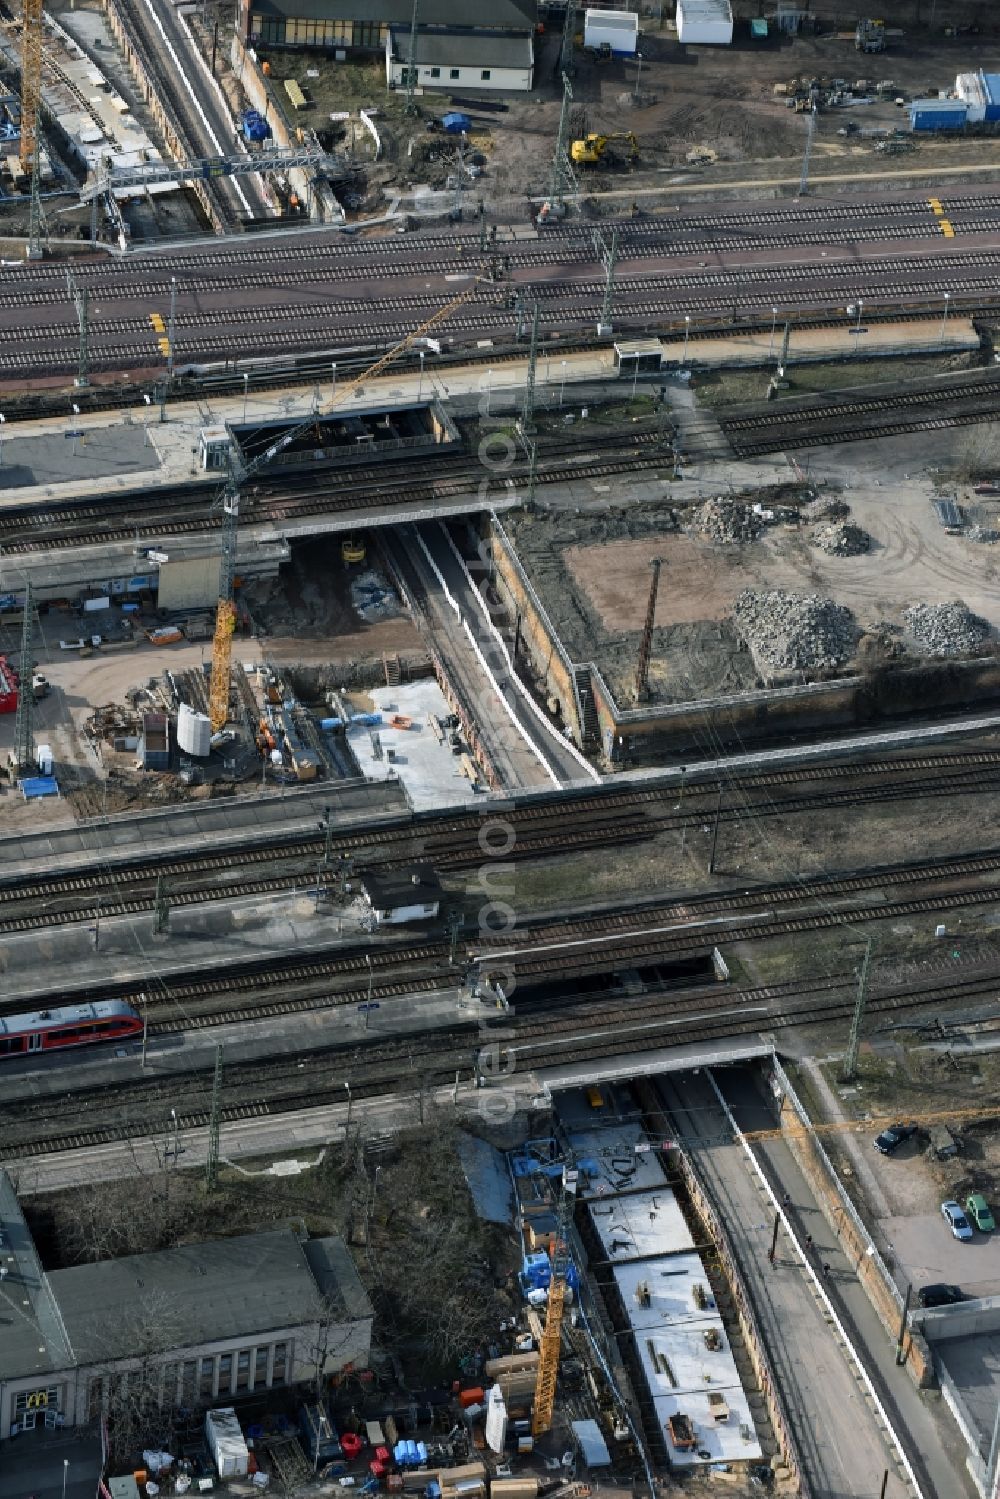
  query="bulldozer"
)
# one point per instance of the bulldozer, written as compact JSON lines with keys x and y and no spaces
{"x":591,"y":149}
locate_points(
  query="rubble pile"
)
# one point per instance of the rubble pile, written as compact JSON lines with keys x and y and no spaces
{"x":945,"y":629}
{"x":792,"y":631}
{"x":841,"y":539}
{"x":726,"y":520}
{"x":825,"y":507}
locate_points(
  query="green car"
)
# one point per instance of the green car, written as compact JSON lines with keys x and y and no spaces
{"x":978,"y":1210}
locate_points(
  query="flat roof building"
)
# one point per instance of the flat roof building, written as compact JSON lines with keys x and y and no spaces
{"x":219,"y":1320}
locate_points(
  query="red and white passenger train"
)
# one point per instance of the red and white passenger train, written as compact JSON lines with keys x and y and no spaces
{"x":70,"y":1025}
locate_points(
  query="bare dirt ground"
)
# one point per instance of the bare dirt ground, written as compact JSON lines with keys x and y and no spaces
{"x":596,"y":586}
{"x":687,"y":98}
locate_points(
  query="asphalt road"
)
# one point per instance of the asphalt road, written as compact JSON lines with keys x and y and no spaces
{"x":325,"y":290}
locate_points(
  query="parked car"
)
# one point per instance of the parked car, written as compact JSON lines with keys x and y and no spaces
{"x":956,"y":1220}
{"x":890,"y":1139}
{"x":977,"y":1208}
{"x":940,"y":1294}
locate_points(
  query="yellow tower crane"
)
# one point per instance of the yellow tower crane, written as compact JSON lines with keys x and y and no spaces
{"x":32,"y":40}
{"x":551,"y":1341}
{"x":225,"y":618}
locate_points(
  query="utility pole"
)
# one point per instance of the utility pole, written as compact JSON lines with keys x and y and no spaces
{"x":715,"y":832}
{"x":171,"y":329}
{"x":804,"y":179}
{"x":901,"y":1340}
{"x":561,"y":178}
{"x":854,"y":1041}
{"x":24,"y":738}
{"x":528,"y":403}
{"x":327,"y":827}
{"x":81,"y":301}
{"x":646,"y":644}
{"x":214,"y":1126}
{"x":161,"y":909}
{"x":608,"y":256}
{"x":567,"y":66}
{"x":786,"y":340}
{"x":456,"y":206}
{"x":410,"y":107}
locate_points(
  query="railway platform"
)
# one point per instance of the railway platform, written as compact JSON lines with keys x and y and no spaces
{"x":204,"y":825}
{"x":98,"y":455}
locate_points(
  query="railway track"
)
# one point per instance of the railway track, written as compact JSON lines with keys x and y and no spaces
{"x":237,"y":306}
{"x":38,"y":1125}
{"x":849,"y":419}
{"x":159,"y":513}
{"x":550,"y":950}
{"x":128,"y":887}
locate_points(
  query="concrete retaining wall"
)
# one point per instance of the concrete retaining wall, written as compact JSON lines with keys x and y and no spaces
{"x":538,"y":635}
{"x":323,"y":205}
{"x":170,"y":127}
{"x":739,"y":718}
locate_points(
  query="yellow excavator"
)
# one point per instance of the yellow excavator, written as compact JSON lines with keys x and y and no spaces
{"x":591,"y":149}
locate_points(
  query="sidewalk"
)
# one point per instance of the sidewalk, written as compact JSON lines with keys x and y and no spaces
{"x":931,"y":1442}
{"x":33,"y":1464}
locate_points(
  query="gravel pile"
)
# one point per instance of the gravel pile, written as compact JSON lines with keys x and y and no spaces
{"x":726,"y":520}
{"x":945,"y":629}
{"x":793,"y":631}
{"x":841,"y":539}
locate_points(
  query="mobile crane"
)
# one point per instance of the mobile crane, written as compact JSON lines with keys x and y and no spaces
{"x":225,"y":618}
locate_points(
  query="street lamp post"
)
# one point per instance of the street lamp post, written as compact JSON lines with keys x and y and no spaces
{"x":371,"y":980}
{"x":65,"y":1475}
{"x":489,"y":389}
{"x":638,"y":72}
{"x":333,"y":382}
{"x":687,"y":331}
{"x":774,"y":324}
{"x":350,"y":1100}
{"x":562,"y":383}
{"x":861,"y":308}
{"x":944,"y":320}
{"x":145,"y":420}
{"x":420,"y":387}
{"x":246,"y":388}
{"x":2,"y":420}
{"x":173,"y":1115}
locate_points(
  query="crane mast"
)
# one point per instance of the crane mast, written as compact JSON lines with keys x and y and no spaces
{"x":551,"y":1341}
{"x":32,"y":37}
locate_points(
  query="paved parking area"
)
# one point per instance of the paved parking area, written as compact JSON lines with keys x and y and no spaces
{"x":926,"y":1249}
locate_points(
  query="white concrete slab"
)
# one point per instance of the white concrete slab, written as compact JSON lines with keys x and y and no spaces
{"x":428,"y":770}
{"x":671,"y":1284}
{"x":726,"y":1441}
{"x":608,"y":1160}
{"x":641,"y":1226}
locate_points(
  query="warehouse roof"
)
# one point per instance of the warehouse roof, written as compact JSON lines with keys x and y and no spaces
{"x":32,"y":1337}
{"x":198,"y":1293}
{"x":456,"y":49}
{"x":501,"y":15}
